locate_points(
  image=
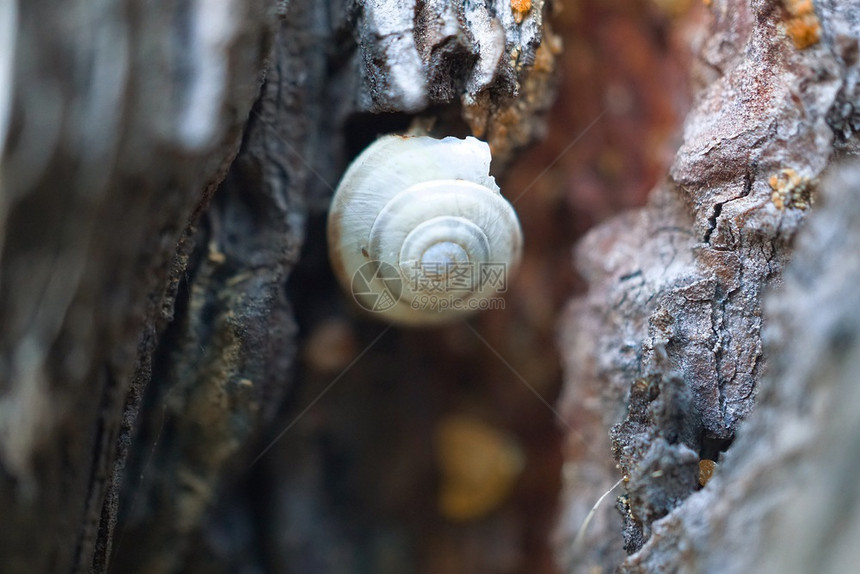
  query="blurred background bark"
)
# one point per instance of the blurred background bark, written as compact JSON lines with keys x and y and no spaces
{"x":183,"y":388}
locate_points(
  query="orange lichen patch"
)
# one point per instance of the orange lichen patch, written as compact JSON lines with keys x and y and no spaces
{"x":520,"y":9}
{"x":802,"y":27}
{"x":706,"y":470}
{"x":799,"y":7}
{"x":804,"y":32}
{"x":479,"y":464}
{"x":790,"y":189}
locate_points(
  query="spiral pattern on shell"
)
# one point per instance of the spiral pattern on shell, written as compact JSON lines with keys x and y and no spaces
{"x":418,"y":231}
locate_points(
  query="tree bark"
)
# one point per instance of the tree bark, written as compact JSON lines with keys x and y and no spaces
{"x":162,"y":165}
{"x":782,"y":499}
{"x":665,"y":354}
{"x":123,"y":122}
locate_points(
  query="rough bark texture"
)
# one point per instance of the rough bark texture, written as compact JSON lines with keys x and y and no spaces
{"x":150,"y":339}
{"x":147,"y":336}
{"x":119,"y":131}
{"x":668,"y":338}
{"x":489,"y":57}
{"x":784,"y":498}
{"x":226,"y":361}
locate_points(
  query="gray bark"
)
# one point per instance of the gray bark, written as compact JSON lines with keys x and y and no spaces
{"x":784,"y":498}
{"x":665,"y":352}
{"x":120,"y":129}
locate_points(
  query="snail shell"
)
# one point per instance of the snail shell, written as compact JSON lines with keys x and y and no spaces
{"x":418,"y":231}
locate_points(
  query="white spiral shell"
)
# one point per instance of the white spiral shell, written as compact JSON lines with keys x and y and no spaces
{"x":414,"y":220}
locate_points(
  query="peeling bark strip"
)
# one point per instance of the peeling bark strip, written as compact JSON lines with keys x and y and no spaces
{"x":673,"y":319}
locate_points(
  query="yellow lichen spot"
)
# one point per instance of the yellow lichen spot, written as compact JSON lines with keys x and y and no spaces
{"x":790,"y":189}
{"x":776,"y":199}
{"x":545,"y":56}
{"x":520,"y":9}
{"x":479,"y":464}
{"x":706,"y":470}
{"x":804,"y":32}
{"x":216,"y":256}
{"x":802,"y":27}
{"x":799,"y":7}
{"x":515,"y":58}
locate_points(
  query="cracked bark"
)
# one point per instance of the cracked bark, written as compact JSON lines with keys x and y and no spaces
{"x":161,"y":165}
{"x":782,"y":488}
{"x":669,"y":336}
